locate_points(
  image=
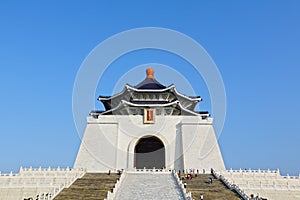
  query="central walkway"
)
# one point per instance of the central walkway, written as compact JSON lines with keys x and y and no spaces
{"x":149,"y":186}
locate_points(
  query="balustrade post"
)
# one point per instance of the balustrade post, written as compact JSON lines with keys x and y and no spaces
{"x":260,"y":183}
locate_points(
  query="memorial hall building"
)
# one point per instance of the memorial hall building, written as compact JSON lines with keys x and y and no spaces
{"x":149,"y":126}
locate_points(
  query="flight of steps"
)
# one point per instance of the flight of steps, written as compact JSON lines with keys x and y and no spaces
{"x":146,"y":186}
{"x":215,"y":191}
{"x":92,"y":186}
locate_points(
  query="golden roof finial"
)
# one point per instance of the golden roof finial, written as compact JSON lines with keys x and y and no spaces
{"x":150,"y":73}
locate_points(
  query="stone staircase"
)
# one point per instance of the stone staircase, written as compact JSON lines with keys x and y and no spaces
{"x":215,"y":191}
{"x":92,"y":186}
{"x":146,"y":186}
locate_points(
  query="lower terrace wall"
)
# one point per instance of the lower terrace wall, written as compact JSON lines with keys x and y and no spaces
{"x":268,"y":184}
{"x":37,"y":183}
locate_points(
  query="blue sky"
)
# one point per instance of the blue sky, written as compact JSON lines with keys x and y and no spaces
{"x":255,"y":44}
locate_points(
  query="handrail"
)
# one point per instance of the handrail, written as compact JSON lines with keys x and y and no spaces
{"x":66,"y":180}
{"x":187,"y":196}
{"x":56,"y":191}
{"x":231,"y":186}
{"x":41,"y":172}
{"x":151,"y":170}
{"x":112,"y":195}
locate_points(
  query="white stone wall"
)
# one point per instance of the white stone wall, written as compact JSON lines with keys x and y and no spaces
{"x":32,"y":182}
{"x":201,"y":149}
{"x":109,"y":142}
{"x":264,"y":183}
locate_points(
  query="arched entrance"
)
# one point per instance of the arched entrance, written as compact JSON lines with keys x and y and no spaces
{"x":149,"y":152}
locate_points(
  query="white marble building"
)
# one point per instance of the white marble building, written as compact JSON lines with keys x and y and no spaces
{"x":149,"y":126}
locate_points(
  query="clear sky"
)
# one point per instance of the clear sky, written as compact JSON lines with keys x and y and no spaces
{"x":255,"y":44}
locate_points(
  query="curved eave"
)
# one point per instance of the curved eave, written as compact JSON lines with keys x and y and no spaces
{"x":150,"y":105}
{"x":186,"y":110}
{"x":124,"y":103}
{"x":105,"y":98}
{"x":150,"y":90}
{"x":130,"y":88}
{"x":172,"y":88}
{"x":196,"y":99}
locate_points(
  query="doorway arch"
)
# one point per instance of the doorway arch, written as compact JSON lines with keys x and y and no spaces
{"x":149,"y":152}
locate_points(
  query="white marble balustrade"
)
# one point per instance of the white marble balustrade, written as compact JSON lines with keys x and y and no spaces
{"x":43,"y":183}
{"x":267,"y":183}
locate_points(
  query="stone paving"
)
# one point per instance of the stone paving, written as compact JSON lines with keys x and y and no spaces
{"x":149,"y":186}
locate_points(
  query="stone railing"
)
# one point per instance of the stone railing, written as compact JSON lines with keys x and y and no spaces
{"x":149,"y":170}
{"x":49,"y":180}
{"x":33,"y":172}
{"x":291,"y":177}
{"x":48,"y":171}
{"x":67,"y":184}
{"x":253,"y":170}
{"x":187,"y":196}
{"x":261,"y":185}
{"x":262,"y":179}
{"x":111,"y":194}
{"x":259,"y":181}
{"x":252,"y":173}
{"x":233,"y":187}
{"x":30,"y":177}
